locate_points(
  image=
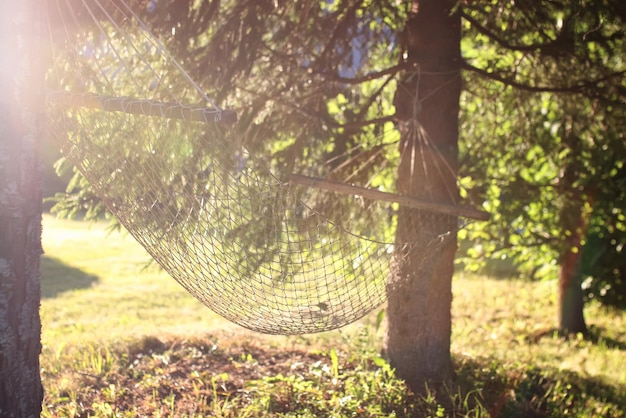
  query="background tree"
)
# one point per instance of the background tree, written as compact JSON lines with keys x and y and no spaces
{"x":543,"y":127}
{"x":21,"y":83}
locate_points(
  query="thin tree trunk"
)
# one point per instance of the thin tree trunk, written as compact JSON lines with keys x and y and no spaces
{"x":571,"y":299}
{"x":21,"y":93}
{"x":571,"y":302}
{"x":573,"y":218}
{"x":417,"y":342}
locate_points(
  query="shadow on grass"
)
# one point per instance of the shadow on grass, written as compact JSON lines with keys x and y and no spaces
{"x":596,"y":335}
{"x":57,"y":278}
{"x":599,"y":335}
{"x":536,"y":392}
{"x":542,"y":392}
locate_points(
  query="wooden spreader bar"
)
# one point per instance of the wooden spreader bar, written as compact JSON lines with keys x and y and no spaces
{"x":349,"y":189}
{"x":143,"y":107}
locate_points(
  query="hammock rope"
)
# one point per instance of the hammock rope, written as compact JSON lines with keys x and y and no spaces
{"x":275,"y":252}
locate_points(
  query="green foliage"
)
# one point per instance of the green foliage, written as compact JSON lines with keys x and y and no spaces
{"x":604,"y":267}
{"x":79,"y":199}
{"x":299,"y":76}
{"x":542,"y":132}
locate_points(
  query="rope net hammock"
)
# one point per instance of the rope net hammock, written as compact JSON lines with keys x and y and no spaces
{"x":274,"y":251}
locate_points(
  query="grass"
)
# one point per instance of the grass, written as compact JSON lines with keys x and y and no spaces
{"x":121,"y":338}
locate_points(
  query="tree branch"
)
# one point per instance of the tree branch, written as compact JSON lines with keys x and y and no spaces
{"x":483,"y":30}
{"x":552,"y":44}
{"x":362,"y":123}
{"x":373,"y":97}
{"x":324,"y":118}
{"x":338,"y":31}
{"x":370,"y":76}
{"x":575,"y":88}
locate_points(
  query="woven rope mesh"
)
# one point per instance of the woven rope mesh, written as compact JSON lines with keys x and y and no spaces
{"x":228,"y":223}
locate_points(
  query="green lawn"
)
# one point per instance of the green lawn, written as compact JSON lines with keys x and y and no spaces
{"x":121,"y":338}
{"x":100,"y":286}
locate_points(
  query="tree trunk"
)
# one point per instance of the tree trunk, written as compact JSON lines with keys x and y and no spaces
{"x":21,"y":103}
{"x":571,"y":317}
{"x":573,"y":218}
{"x":571,"y":303}
{"x":419,"y":290}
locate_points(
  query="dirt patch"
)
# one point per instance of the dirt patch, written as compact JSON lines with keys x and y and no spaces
{"x":185,"y":377}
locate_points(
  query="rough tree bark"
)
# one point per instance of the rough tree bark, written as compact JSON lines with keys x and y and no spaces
{"x":417,"y":342}
{"x":21,"y":89}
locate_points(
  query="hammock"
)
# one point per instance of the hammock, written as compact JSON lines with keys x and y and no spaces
{"x":273,"y":249}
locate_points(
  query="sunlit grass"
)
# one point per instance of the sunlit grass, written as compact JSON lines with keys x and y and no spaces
{"x":113,"y":291}
{"x":514,"y":321}
{"x":109,"y":316}
{"x":100,"y":287}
